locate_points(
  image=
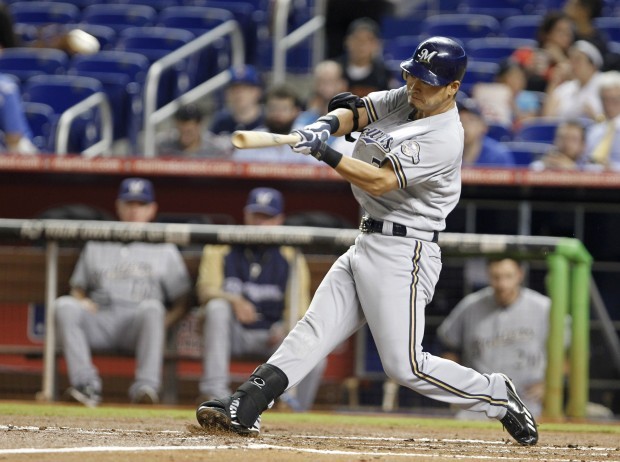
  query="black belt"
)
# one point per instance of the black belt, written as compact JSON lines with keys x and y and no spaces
{"x":369,"y":225}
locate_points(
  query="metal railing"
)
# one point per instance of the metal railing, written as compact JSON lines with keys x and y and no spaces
{"x":99,"y":100}
{"x":154,"y":116}
{"x":283,"y":42}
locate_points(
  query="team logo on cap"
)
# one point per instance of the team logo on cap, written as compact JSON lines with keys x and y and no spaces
{"x":136,"y":187}
{"x":425,"y":57}
{"x":411,"y":149}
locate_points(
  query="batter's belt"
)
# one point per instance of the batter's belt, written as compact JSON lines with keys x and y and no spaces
{"x":369,"y":225}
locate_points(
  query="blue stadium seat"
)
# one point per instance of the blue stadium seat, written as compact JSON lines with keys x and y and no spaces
{"x":157,"y":4}
{"x":120,"y":16}
{"x":494,"y":49}
{"x":200,"y":20}
{"x":41,"y":119}
{"x":538,"y":129}
{"x":478,"y":71}
{"x":610,"y":26}
{"x":499,"y":132}
{"x":26,"y":62}
{"x":122,"y":75}
{"x":396,"y":26}
{"x":398,"y":49}
{"x":523,"y":27}
{"x":60,"y":92}
{"x":499,"y":9}
{"x":155,"y":43}
{"x":525,"y":152}
{"x":38,"y":12}
{"x":462,"y":26}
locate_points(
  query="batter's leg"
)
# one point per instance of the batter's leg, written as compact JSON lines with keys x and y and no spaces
{"x":395,"y":310}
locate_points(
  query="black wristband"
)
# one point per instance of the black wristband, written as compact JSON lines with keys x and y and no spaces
{"x":332,"y":120}
{"x":328,"y":155}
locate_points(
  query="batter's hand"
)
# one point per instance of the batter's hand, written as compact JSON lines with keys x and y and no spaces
{"x":310,"y":141}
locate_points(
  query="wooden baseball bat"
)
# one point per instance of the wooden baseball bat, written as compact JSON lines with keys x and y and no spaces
{"x":246,"y":139}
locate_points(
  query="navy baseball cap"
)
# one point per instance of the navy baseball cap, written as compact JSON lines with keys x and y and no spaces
{"x":265,"y":200}
{"x":244,"y":75}
{"x":136,"y":189}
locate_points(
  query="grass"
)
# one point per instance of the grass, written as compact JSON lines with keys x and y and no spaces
{"x":61,"y":410}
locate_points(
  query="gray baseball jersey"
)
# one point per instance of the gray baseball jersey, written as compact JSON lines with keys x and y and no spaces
{"x":130,"y":283}
{"x":510,"y":339}
{"x":386,"y":280}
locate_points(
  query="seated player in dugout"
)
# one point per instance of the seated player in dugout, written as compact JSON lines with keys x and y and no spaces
{"x":405,"y":173}
{"x":247,"y":298}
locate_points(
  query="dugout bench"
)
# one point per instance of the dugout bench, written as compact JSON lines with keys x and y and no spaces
{"x":22,"y":295}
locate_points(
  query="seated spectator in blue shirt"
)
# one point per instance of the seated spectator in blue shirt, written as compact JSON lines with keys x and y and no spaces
{"x":243,"y":110}
{"x":568,"y":148}
{"x":282,"y":107}
{"x":480,"y":149}
{"x":15,"y":134}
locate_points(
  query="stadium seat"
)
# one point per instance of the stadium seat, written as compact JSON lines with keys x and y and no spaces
{"x":494,"y":49}
{"x":462,"y":26}
{"x":60,"y":92}
{"x":538,"y":129}
{"x":157,"y":4}
{"x":81,"y":4}
{"x":398,"y":49}
{"x":38,"y":12}
{"x":610,"y":26}
{"x":478,"y":71}
{"x":525,"y":152}
{"x":396,"y":26}
{"x":26,"y":62}
{"x":119,"y":16}
{"x":499,"y":9}
{"x":122,"y":75}
{"x":155,"y":43}
{"x":499,"y":132}
{"x":522,"y":27}
{"x":41,"y":119}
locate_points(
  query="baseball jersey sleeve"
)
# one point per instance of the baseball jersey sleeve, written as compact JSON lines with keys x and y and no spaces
{"x":175,"y":280}
{"x":211,"y":271}
{"x":81,"y":273}
{"x":451,"y":330}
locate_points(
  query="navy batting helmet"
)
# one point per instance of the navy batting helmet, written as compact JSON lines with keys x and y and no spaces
{"x":437,"y":61}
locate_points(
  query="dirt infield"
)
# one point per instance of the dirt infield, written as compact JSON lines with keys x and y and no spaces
{"x":160,"y":437}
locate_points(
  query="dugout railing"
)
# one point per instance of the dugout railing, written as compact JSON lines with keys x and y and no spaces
{"x":568,"y":279}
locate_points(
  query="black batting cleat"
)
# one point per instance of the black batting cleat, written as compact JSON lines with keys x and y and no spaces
{"x":221,"y":414}
{"x":518,"y":420}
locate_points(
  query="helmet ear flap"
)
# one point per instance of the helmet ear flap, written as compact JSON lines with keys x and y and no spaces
{"x":404,"y":74}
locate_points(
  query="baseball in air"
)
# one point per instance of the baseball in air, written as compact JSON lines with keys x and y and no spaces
{"x":82,"y":42}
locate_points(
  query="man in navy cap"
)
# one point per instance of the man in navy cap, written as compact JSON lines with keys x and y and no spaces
{"x":245,"y":290}
{"x":118,"y":301}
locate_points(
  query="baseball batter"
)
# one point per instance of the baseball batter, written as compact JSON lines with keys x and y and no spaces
{"x":405,"y":173}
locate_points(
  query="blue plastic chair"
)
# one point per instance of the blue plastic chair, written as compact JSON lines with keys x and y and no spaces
{"x":60,"y":92}
{"x":122,"y":75}
{"x":494,"y":49}
{"x":41,"y":119}
{"x":26,"y":62}
{"x":538,"y":129}
{"x":499,"y":9}
{"x":478,"y":71}
{"x":522,"y":27}
{"x":609,"y":25}
{"x":39,"y":13}
{"x":526,"y":152}
{"x":499,"y":132}
{"x":462,"y":26}
{"x":120,"y":16}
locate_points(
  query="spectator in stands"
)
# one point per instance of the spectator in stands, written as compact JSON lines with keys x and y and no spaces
{"x":578,"y":97}
{"x":362,"y":61}
{"x":282,"y":107}
{"x":555,"y":36}
{"x":583,"y":13}
{"x":8,"y":38}
{"x":603,"y":138}
{"x":247,"y":298}
{"x":15,"y":133}
{"x":243,"y":110}
{"x":190,"y":139}
{"x":506,"y":100}
{"x":568,"y":148}
{"x":480,"y":149}
{"x":118,"y":299}
{"x":488,"y":326}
